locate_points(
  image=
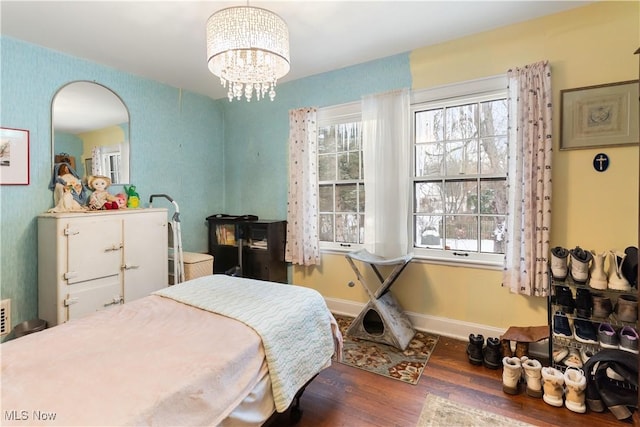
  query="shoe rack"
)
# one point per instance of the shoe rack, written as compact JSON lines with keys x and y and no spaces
{"x":557,"y":303}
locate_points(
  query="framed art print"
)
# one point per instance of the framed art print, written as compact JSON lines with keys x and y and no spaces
{"x":14,"y":156}
{"x":599,"y":116}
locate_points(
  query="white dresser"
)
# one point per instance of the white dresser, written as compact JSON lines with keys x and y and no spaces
{"x":95,"y":260}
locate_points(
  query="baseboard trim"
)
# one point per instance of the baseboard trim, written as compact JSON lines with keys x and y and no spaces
{"x":443,"y":326}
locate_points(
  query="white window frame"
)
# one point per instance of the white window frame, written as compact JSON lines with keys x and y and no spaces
{"x":334,"y":115}
{"x":454,"y":94}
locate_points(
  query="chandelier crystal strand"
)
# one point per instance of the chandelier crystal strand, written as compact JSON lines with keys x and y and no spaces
{"x":248,"y":48}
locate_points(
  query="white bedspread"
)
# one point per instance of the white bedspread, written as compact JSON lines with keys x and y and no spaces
{"x":295,"y":349}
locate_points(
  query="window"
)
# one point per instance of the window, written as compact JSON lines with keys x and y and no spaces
{"x":458,"y":173}
{"x":340,"y":177}
{"x":108,"y":158}
{"x":460,"y":152}
{"x":112,"y":166}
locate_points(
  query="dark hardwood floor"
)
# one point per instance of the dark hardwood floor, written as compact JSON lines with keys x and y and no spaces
{"x":349,"y":397}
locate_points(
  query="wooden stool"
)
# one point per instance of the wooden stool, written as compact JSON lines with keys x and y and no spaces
{"x":382,"y":320}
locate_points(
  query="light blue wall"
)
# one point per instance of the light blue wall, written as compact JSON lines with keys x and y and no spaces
{"x":178,"y":142}
{"x":176,"y":149}
{"x":256,"y":135}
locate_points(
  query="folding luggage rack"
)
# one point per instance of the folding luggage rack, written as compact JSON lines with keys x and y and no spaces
{"x":382,"y":320}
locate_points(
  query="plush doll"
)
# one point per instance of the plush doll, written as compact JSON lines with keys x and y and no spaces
{"x":68,"y":192}
{"x":122,"y":200}
{"x":100,"y":198}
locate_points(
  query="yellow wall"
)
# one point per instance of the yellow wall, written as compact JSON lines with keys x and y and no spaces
{"x":585,"y":46}
{"x":112,"y":135}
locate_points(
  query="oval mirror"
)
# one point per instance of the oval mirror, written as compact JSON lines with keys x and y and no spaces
{"x":90,"y":131}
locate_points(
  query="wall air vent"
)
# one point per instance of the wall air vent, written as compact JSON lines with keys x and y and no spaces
{"x":5,"y":317}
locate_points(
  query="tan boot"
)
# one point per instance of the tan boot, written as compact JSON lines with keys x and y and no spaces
{"x":616,"y":280}
{"x":511,"y":373}
{"x":532,"y":370}
{"x":552,"y":384}
{"x":598,"y":277}
{"x":575,"y":383}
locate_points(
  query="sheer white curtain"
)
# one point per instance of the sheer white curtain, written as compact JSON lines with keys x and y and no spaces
{"x":124,"y":162}
{"x":303,"y":245}
{"x":385,"y":136}
{"x":528,"y":226}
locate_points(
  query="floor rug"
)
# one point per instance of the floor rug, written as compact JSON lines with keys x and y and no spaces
{"x":438,"y":411}
{"x":384,"y":359}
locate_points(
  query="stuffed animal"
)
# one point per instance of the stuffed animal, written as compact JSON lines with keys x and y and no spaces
{"x":133,"y":197}
{"x":122,"y":200}
{"x":100,"y":198}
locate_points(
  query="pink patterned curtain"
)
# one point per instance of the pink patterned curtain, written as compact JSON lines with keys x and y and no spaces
{"x":527,"y":234}
{"x":303,"y":245}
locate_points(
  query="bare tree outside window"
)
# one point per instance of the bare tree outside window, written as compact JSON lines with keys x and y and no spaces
{"x":460,"y":187}
{"x":341,"y":188}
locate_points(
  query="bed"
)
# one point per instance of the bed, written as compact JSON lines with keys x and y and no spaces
{"x":217,"y":350}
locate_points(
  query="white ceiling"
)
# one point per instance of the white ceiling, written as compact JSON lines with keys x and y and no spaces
{"x":165,"y":40}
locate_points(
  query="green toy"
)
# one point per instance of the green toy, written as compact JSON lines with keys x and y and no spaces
{"x":133,"y":198}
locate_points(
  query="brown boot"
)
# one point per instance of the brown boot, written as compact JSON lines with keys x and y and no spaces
{"x":505,"y":348}
{"x":522,"y":349}
{"x":627,"y":308}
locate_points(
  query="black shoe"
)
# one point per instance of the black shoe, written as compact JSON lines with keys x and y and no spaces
{"x":585,"y":331}
{"x":493,"y":354}
{"x":630,"y":266}
{"x":564,"y":298}
{"x":474,"y":349}
{"x":561,"y":327}
{"x":584,"y":302}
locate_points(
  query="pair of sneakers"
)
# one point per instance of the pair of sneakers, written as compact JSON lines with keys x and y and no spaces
{"x":585,"y":331}
{"x":625,"y":339}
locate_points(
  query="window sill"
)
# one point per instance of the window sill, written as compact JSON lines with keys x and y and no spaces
{"x":421,"y":259}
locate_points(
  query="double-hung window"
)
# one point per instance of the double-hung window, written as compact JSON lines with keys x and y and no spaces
{"x":460,"y":150}
{"x":340,"y":177}
{"x":458,"y":173}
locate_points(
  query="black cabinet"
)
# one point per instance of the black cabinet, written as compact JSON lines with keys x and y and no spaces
{"x":248,"y":247}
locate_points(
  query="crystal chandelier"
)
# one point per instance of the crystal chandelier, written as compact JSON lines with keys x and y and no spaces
{"x":248,"y":48}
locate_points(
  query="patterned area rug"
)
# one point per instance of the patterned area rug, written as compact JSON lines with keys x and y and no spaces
{"x":384,"y":359}
{"x":438,"y":411}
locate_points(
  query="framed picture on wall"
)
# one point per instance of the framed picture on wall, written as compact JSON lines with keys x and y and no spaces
{"x":599,"y":116}
{"x":14,"y":156}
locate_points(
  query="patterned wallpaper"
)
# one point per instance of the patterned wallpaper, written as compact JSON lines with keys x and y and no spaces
{"x":176,"y":149}
{"x":210,"y":156}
